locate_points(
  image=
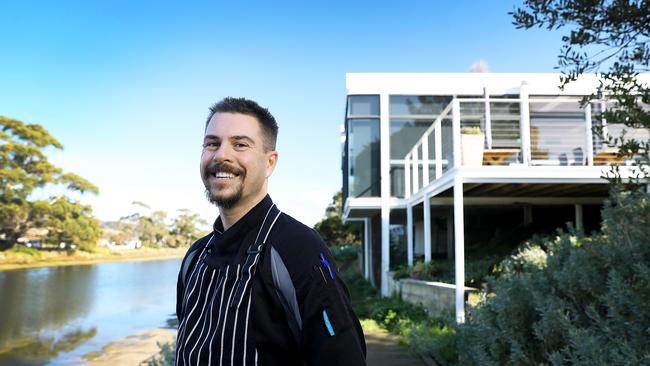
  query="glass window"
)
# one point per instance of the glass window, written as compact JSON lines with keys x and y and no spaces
{"x":404,"y":134}
{"x":557,"y":133}
{"x":363,"y":105}
{"x":408,"y":105}
{"x":505,"y":125}
{"x":364,"y":157}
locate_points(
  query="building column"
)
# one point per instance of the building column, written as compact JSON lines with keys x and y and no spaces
{"x":409,"y":234}
{"x":589,"y":143}
{"x":487,"y":128}
{"x":528,"y":215}
{"x":384,"y":137}
{"x":427,"y":228}
{"x":524,"y":124}
{"x":579,"y":218}
{"x":459,"y":245}
{"x":450,"y":233}
{"x":366,"y":248}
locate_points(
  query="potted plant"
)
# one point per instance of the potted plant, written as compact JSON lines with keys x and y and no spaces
{"x":471,"y":144}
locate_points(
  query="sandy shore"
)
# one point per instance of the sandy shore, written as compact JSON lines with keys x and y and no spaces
{"x":61,"y":259}
{"x":132,"y":350}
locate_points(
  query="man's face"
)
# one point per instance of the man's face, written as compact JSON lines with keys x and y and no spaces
{"x":234,"y":164}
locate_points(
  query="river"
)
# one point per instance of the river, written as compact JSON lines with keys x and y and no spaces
{"x":55,"y":315}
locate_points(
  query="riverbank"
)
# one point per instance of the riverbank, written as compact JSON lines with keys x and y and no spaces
{"x":132,"y":350}
{"x":13,"y":260}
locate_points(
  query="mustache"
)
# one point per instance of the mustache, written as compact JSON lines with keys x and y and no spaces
{"x":223,"y":168}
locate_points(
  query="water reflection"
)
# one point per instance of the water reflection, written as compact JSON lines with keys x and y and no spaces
{"x":56,"y":315}
{"x":36,"y":350}
{"x":43,"y":298}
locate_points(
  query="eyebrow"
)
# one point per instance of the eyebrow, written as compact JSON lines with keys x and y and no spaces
{"x":235,"y":138}
{"x":243,"y":137}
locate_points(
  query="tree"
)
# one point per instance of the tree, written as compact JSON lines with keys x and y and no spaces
{"x":184,"y":228}
{"x":150,"y":229}
{"x":72,"y":223}
{"x":24,"y":167}
{"x":332,"y":229}
{"x":610,"y":38}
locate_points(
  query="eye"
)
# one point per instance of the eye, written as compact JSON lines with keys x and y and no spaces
{"x":240,"y":145}
{"x":210,"y":145}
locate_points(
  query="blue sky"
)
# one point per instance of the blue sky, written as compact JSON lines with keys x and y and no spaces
{"x":125,"y":86}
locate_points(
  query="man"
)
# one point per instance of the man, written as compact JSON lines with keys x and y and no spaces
{"x":262,"y":288}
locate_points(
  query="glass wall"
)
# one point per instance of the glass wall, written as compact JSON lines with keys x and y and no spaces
{"x":410,"y":117}
{"x":504,"y":119}
{"x":362,"y":147}
{"x":557,"y":132}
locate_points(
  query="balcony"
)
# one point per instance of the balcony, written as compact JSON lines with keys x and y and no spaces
{"x":518,"y":137}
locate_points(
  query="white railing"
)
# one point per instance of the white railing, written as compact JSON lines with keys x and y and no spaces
{"x":545,"y":136}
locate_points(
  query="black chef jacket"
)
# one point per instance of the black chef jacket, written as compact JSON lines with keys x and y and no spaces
{"x":337,"y":340}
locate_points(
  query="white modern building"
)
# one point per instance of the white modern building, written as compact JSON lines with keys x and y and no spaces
{"x":436,"y":163}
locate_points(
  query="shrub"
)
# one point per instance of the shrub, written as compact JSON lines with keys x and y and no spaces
{"x":345,"y":253}
{"x":166,"y":355}
{"x":572,"y":299}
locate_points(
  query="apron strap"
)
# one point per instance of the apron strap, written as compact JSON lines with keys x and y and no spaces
{"x":253,"y":256}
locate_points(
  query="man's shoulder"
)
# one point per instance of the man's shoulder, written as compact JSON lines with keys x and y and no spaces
{"x":299,"y":245}
{"x":289,"y":233}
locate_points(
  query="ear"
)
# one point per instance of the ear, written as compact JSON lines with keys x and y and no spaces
{"x":271,"y":162}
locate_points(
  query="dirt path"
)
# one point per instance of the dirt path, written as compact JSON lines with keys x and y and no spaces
{"x":384,"y":349}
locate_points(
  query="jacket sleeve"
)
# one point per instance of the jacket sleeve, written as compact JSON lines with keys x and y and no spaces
{"x":331,"y":332}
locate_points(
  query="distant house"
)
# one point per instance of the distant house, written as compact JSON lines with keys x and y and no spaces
{"x":34,"y":237}
{"x":433,"y":163}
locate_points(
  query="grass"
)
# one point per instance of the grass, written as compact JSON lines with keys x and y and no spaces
{"x":435,"y":337}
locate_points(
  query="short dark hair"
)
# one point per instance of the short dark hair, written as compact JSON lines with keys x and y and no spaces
{"x":249,"y":108}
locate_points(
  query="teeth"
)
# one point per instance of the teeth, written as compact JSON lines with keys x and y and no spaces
{"x":224,"y":175}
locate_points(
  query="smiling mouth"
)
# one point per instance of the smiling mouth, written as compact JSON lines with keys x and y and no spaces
{"x":224,"y":175}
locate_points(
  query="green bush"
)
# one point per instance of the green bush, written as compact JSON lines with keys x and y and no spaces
{"x":572,"y":299}
{"x":166,"y":356}
{"x":442,"y":270}
{"x":23,"y":250}
{"x":346,"y":253}
{"x":435,"y":337}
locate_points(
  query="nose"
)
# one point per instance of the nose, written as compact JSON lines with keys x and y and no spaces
{"x":223,"y":153}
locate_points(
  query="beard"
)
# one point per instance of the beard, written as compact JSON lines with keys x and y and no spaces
{"x":227,"y":201}
{"x":223,"y":201}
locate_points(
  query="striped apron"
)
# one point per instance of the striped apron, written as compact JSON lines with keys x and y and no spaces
{"x":214,"y":328}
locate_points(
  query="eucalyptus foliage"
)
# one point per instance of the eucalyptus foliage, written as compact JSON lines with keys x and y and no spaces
{"x":612,"y":39}
{"x":24,"y":168}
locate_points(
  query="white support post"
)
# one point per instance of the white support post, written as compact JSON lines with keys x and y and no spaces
{"x":603,"y":120}
{"x":425,"y":161}
{"x":524,"y":123}
{"x":589,"y":135}
{"x":384,"y":135}
{"x":459,"y":248}
{"x":528,"y":215}
{"x":438,"y":147}
{"x":579,"y":218}
{"x":407,"y":176}
{"x":427,"y":228}
{"x":409,"y":234}
{"x":455,"y":127}
{"x":367,"y":242}
{"x":488,"y":118}
{"x":415,"y":171}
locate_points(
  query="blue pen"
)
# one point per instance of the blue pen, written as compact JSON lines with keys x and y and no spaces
{"x":326,"y":264}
